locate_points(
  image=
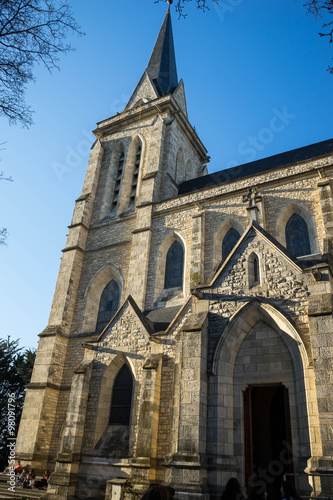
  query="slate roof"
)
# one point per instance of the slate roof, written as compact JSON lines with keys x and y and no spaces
{"x":162,"y":67}
{"x":256,"y":167}
{"x":161,"y":318}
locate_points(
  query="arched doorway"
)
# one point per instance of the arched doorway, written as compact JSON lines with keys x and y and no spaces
{"x":259,"y":348}
{"x":265,"y":367}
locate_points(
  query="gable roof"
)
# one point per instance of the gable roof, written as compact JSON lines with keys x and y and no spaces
{"x":145,"y":91}
{"x":147,"y":324}
{"x":161,"y":318}
{"x":256,"y":167}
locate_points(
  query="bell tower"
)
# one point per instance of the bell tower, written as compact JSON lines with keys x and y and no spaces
{"x":144,"y":149}
{"x":137,"y":160}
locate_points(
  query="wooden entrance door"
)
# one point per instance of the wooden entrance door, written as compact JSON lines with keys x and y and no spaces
{"x":267,"y":436}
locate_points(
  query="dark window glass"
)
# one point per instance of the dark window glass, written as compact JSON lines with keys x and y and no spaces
{"x":135,"y":177}
{"x":255,"y":269}
{"x":229,"y":241}
{"x":297,"y":236}
{"x":121,"y":397}
{"x":118,"y":182}
{"x":174,"y":266}
{"x":108,"y":305}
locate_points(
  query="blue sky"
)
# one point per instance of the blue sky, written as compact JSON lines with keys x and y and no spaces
{"x":256,"y":84}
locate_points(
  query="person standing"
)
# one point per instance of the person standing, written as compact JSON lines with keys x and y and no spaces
{"x":288,"y":491}
{"x":232,"y":490}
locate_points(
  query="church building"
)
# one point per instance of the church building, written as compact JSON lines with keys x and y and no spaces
{"x":190,"y":338}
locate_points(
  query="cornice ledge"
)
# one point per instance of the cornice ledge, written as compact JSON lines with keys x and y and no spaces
{"x":77,"y":224}
{"x":48,"y":385}
{"x":149,"y":175}
{"x":142,"y":230}
{"x":158,"y":105}
{"x":75,"y":247}
{"x":82,"y":197}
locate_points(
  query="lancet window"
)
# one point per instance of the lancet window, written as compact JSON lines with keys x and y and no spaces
{"x":174,"y":266}
{"x":121,"y":402}
{"x":108,"y":305}
{"x":119,"y":175}
{"x":135,"y":177}
{"x":229,"y":241}
{"x":255,"y":264}
{"x":254,"y":270}
{"x":297,"y":236}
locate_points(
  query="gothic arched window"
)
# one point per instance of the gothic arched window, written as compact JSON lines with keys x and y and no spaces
{"x":119,"y":176}
{"x":255,"y":264}
{"x":108,"y":305}
{"x":297,"y":236}
{"x":253,"y":270}
{"x":135,"y":177}
{"x":174,"y":266}
{"x":229,"y":241}
{"x":121,"y":401}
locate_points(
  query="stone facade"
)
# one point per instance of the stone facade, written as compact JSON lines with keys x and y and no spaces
{"x":238,"y":356}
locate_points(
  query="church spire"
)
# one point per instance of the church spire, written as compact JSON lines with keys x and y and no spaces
{"x":160,"y":76}
{"x":162,"y":63}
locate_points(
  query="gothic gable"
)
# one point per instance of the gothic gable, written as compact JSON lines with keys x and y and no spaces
{"x":258,"y":265}
{"x":179,"y":96}
{"x":128,"y":326}
{"x":144,"y":92}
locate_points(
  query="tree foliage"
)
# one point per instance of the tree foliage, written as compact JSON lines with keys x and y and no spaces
{"x":15,"y":372}
{"x":322,"y":9}
{"x":31,"y":32}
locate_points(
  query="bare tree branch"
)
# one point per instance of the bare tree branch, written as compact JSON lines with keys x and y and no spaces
{"x":31,"y":31}
{"x":2,"y":178}
{"x":3,"y":236}
{"x":3,"y":231}
{"x":180,"y":5}
{"x":321,"y":9}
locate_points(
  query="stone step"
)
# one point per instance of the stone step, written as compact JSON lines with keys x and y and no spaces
{"x":18,"y":493}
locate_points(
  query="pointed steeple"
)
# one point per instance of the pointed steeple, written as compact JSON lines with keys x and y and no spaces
{"x":162,"y":63}
{"x":160,"y":76}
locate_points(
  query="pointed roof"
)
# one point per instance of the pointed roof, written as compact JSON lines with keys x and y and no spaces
{"x":162,"y":63}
